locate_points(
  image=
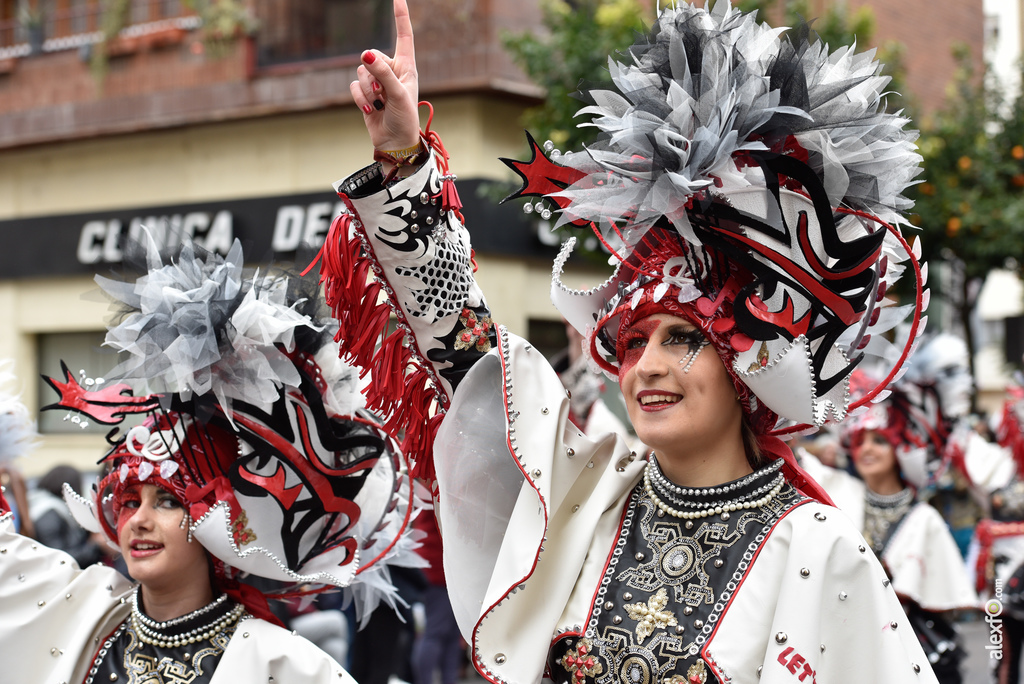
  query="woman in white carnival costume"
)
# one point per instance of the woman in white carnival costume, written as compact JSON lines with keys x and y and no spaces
{"x":748,"y":183}
{"x":894,"y":447}
{"x":252,"y":458}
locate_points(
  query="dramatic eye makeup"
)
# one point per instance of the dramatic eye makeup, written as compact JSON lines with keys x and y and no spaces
{"x":635,"y":339}
{"x":690,"y":338}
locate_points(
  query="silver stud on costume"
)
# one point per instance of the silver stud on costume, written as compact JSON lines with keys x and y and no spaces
{"x":781,"y":637}
{"x":805,"y":572}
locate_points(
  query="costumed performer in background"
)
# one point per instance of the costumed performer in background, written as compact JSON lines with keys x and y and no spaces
{"x":253,"y":458}
{"x":749,"y":184}
{"x":895,"y":446}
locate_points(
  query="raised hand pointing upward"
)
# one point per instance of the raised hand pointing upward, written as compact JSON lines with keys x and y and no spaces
{"x":387,"y":90}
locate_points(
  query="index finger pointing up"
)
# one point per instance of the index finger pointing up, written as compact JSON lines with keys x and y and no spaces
{"x":403,"y":31}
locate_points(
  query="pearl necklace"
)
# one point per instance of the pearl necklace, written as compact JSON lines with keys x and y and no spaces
{"x":700,"y":497}
{"x":693,"y":492}
{"x":729,"y":507}
{"x":148,"y":630}
{"x":150,"y":622}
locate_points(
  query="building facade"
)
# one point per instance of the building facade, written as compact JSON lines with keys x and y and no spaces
{"x":237,"y":138}
{"x":234,"y":125}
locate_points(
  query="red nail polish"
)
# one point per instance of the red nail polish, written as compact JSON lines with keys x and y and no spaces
{"x":368,"y":109}
{"x":369,"y":57}
{"x":376,"y":86}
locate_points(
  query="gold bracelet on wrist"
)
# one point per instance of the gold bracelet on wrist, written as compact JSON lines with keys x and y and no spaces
{"x":403,"y":154}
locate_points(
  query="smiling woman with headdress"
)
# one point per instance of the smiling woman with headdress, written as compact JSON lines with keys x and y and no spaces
{"x":253,"y":458}
{"x":748,"y":184}
{"x":897,"y":448}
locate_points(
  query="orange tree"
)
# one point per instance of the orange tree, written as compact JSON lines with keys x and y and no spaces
{"x":970,"y":203}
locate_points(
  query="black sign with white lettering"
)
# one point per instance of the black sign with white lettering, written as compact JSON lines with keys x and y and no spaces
{"x":270,"y":228}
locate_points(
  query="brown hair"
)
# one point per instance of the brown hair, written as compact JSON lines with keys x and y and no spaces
{"x":750,"y":444}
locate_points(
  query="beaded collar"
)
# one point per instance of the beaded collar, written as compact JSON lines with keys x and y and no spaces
{"x":900,"y":498}
{"x":750,"y":491}
{"x":197,"y":626}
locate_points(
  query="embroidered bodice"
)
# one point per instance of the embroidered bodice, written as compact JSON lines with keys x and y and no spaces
{"x":882,"y":516}
{"x":187,"y":649}
{"x":679,"y":556}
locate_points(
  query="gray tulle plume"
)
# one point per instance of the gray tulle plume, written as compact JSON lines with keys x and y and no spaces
{"x":198,"y":325}
{"x":707,"y":86}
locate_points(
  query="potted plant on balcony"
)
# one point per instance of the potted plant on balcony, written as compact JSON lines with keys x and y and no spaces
{"x":32,"y":20}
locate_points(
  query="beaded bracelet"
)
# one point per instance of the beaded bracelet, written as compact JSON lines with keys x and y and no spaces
{"x":410,"y":156}
{"x":402,"y":154}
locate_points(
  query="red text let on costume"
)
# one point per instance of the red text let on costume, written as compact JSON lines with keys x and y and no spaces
{"x":797,"y":664}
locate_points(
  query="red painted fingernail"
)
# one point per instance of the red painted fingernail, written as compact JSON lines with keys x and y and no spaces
{"x":376,"y":86}
{"x":369,"y":57}
{"x":368,"y":109}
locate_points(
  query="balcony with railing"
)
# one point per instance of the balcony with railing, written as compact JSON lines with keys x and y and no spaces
{"x":28,"y":28}
{"x":170,"y":65}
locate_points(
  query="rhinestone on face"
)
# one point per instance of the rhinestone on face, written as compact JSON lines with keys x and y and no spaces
{"x":805,"y":572}
{"x":781,"y":637}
